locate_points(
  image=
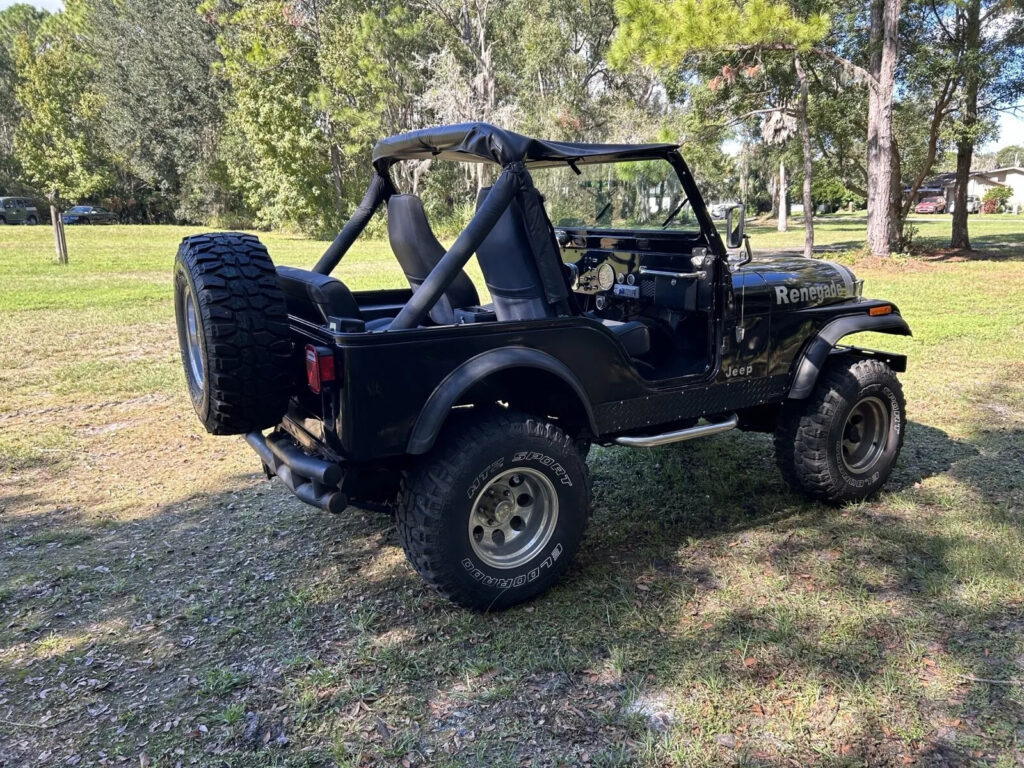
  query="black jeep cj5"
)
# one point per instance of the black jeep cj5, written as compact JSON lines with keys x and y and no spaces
{"x":625,"y":322}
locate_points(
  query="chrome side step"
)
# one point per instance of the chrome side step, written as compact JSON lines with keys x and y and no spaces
{"x":650,"y":441}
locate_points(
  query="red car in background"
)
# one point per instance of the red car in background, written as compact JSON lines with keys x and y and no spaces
{"x":931,"y":205}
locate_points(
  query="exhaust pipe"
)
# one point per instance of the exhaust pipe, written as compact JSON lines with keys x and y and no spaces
{"x":312,"y":480}
{"x":703,"y":430}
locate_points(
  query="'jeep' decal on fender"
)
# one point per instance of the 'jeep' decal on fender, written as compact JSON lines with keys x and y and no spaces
{"x":809,"y":294}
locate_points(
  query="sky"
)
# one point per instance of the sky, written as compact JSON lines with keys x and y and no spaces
{"x":1011,"y":127}
{"x":50,"y":5}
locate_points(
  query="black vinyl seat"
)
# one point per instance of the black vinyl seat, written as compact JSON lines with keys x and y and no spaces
{"x":316,"y":297}
{"x":512,"y":262}
{"x":506,"y":258}
{"x":634,"y":335}
{"x":418,"y":251}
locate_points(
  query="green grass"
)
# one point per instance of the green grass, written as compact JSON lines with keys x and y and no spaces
{"x":159,"y":597}
{"x":998,"y":234}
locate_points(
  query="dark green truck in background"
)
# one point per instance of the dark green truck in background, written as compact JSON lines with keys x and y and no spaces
{"x":18,"y":210}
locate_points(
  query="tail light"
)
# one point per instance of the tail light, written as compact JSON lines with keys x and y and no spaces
{"x":319,"y":367}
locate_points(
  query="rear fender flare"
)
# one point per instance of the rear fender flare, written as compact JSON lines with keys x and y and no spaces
{"x":457,"y":383}
{"x":817,"y":351}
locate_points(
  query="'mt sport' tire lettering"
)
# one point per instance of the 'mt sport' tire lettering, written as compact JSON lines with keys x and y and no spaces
{"x":494,"y":514}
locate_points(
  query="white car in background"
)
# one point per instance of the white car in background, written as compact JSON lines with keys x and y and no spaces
{"x":719,"y":210}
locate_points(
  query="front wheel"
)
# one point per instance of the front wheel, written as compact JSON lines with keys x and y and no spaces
{"x":841,"y":443}
{"x":494,"y":514}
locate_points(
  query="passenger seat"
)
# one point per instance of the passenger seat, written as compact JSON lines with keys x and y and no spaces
{"x":418,"y":251}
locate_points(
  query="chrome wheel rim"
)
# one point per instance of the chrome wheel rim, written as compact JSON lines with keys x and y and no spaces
{"x":513,"y":518}
{"x":195,"y":352}
{"x":864,"y":435}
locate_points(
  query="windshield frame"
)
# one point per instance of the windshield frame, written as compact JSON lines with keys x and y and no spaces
{"x":705,"y":230}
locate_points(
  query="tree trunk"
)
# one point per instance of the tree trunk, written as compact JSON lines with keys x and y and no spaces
{"x":60,"y":244}
{"x":336,"y":176}
{"x":782,"y":196}
{"x":896,"y":233}
{"x":743,"y":173}
{"x":884,"y":42}
{"x":965,"y":144}
{"x":805,"y":137}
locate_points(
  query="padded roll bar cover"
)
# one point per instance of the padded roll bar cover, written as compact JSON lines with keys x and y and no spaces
{"x":511,"y":274}
{"x":418,"y":251}
{"x":379,"y":190}
{"x":545,"y":248}
{"x":462,"y":249}
{"x":810,"y":363}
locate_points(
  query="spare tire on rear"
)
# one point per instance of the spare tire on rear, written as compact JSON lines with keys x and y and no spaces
{"x":233,"y":332}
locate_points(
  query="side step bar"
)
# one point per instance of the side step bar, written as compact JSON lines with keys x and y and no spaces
{"x":704,"y":430}
{"x":313,"y":480}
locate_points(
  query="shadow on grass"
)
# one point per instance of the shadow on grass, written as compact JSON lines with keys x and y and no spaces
{"x":772,"y":629}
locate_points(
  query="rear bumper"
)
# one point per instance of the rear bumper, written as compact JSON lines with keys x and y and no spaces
{"x":314,"y":481}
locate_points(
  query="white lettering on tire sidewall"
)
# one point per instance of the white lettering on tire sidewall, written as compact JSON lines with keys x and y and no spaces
{"x":561,"y":475}
{"x":895,"y":429}
{"x":519,"y":580}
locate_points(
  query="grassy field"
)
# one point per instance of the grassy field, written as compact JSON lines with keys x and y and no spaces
{"x":1000,"y":236}
{"x":161,"y":604}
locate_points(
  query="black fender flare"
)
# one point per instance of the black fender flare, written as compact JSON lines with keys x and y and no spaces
{"x":817,"y":351}
{"x":433,"y":414}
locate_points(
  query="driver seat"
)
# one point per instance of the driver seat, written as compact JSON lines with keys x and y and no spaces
{"x":418,"y":251}
{"x":515,"y":265}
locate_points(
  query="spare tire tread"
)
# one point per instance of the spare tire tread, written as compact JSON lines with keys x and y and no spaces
{"x":247,"y":342}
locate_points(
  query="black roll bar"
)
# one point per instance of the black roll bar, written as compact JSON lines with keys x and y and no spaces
{"x":441,"y":276}
{"x":380,"y":189}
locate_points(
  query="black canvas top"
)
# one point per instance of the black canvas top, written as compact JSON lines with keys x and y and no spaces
{"x":482,"y":142}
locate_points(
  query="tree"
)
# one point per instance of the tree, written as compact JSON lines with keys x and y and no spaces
{"x":1011,"y":156}
{"x":18,"y":25}
{"x":59,"y":140}
{"x":665,"y":34}
{"x":161,"y":104}
{"x":990,"y":36}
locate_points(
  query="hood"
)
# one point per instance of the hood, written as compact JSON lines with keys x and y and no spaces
{"x":795,"y":282}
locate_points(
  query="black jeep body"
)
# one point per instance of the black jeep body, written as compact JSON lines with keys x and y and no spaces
{"x":609,"y":335}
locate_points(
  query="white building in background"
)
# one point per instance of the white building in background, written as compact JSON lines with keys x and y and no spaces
{"x":979,"y":183}
{"x":1012,"y":177}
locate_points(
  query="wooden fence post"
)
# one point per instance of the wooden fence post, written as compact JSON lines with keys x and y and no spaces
{"x":60,"y":244}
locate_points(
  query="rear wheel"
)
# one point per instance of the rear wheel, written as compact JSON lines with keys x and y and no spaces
{"x":232,"y":332}
{"x":841,"y":443}
{"x":31,"y":221}
{"x":495,"y":513}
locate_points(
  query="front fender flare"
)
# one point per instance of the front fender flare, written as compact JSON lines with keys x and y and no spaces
{"x":807,"y":368}
{"x":432,"y":417}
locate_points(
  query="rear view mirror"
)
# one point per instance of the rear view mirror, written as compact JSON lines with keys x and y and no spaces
{"x":735,"y":221}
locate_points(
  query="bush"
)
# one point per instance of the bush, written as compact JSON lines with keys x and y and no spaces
{"x":995,"y":198}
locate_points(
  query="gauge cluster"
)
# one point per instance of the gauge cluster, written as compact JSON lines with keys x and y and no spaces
{"x":603,"y":273}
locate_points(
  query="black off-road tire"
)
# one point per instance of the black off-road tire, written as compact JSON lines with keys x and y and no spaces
{"x":31,"y":221}
{"x":440,"y":493}
{"x":813,"y":438}
{"x":240,"y":332}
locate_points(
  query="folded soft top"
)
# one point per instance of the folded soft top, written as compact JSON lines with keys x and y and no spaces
{"x":482,"y":142}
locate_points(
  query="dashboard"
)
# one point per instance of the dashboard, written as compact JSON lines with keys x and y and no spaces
{"x":656,"y":270}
